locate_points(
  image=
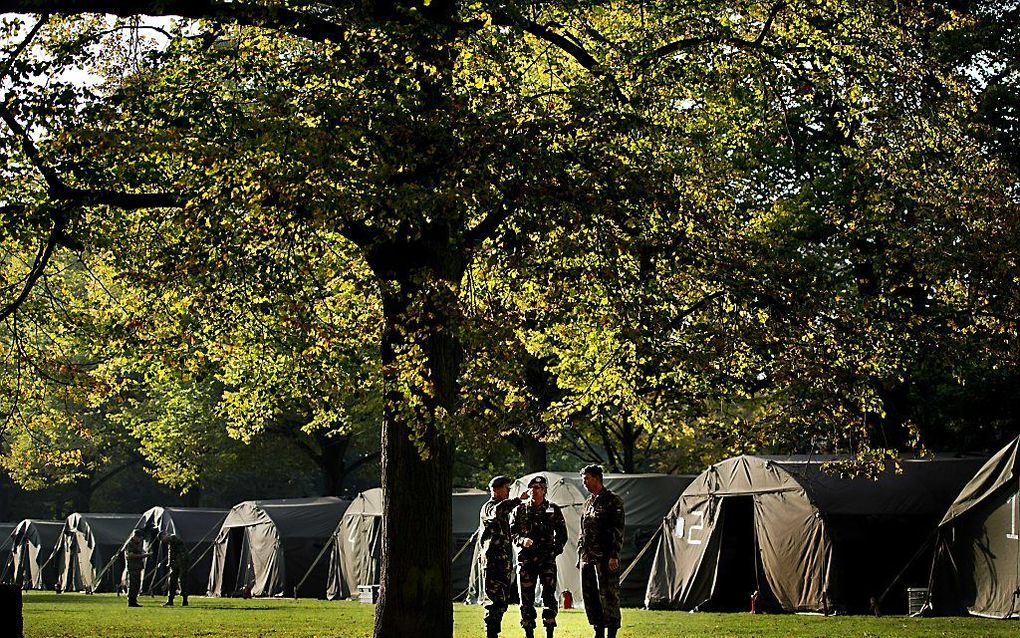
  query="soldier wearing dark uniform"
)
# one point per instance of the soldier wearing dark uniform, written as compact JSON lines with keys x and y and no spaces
{"x":540,"y":533}
{"x":497,"y":552}
{"x":599,"y":548}
{"x":178,"y":561}
{"x":134,"y":556}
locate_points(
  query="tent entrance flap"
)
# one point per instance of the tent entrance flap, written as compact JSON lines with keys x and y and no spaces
{"x":739,"y":572}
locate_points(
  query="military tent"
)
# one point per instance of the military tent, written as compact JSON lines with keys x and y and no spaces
{"x":34,"y":542}
{"x":88,"y":548}
{"x":647,"y":498}
{"x":977,"y":564}
{"x":355,"y":552}
{"x":197,"y":527}
{"x":804,"y":538}
{"x":6,"y":532}
{"x":265,"y":547}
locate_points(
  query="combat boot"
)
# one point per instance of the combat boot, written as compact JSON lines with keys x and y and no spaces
{"x":184,"y":600}
{"x":600,"y":632}
{"x":611,"y":632}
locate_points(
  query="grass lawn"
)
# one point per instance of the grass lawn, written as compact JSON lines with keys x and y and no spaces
{"x":106,"y":616}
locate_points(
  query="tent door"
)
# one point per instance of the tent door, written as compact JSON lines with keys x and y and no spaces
{"x":739,"y":573}
{"x":232,"y":574}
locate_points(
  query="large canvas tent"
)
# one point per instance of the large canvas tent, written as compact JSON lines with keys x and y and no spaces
{"x":646,"y":498}
{"x":33,"y":545}
{"x":977,"y":565}
{"x":6,"y":532}
{"x":87,"y":549}
{"x":266,"y":547}
{"x":355,"y":552}
{"x":197,"y":527}
{"x":804,"y":538}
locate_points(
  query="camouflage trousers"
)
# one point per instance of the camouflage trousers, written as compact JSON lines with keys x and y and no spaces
{"x":497,"y":590}
{"x":134,"y":584}
{"x":600,"y":590}
{"x":528,"y":576}
{"x":178,"y":576}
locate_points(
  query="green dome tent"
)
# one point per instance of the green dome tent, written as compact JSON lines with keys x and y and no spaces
{"x":977,"y":566}
{"x":87,"y":549}
{"x":266,"y":546}
{"x":34,"y":542}
{"x":354,"y":556}
{"x":197,"y":527}
{"x":6,"y":532}
{"x":806,"y":539}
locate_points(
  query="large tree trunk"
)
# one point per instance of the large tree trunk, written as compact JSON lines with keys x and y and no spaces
{"x":420,"y":326}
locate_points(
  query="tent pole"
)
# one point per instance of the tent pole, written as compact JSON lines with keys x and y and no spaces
{"x":314,"y":563}
{"x":464,"y":546}
{"x":921,"y":550}
{"x":640,"y":554}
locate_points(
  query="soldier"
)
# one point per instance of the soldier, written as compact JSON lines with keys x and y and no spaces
{"x":539,"y":532}
{"x":497,"y":553}
{"x":178,"y":561}
{"x":599,"y":552}
{"x":134,"y":556}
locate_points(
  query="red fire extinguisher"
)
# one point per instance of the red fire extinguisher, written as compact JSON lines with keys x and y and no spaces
{"x":568,"y":599}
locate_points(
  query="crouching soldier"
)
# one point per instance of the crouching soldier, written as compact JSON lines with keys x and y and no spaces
{"x":602,"y":524}
{"x":540,"y":533}
{"x":178,"y":561}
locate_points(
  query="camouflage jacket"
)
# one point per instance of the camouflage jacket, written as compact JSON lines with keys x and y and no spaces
{"x":544,"y":525}
{"x":494,"y":521}
{"x":602,"y":521}
{"x":134,"y":553}
{"x":177,"y":554}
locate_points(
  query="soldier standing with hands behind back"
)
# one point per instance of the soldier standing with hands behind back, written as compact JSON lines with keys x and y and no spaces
{"x":540,"y":533}
{"x":602,"y":521}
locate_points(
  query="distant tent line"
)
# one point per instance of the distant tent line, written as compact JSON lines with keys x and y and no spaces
{"x":802,"y":538}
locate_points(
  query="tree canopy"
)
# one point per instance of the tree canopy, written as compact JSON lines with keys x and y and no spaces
{"x":636,"y":228}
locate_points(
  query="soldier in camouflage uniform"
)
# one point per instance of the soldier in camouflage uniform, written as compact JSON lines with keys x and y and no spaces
{"x":497,"y":552}
{"x":539,"y":532}
{"x":134,"y":556}
{"x":598,"y":549}
{"x":178,"y":561}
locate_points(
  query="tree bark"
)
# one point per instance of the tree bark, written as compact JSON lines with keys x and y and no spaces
{"x":416,"y":595}
{"x":535,"y":453}
{"x":81,"y":499}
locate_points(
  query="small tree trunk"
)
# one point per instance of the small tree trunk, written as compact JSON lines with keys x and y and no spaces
{"x":81,"y":499}
{"x":332,"y":460}
{"x":535,"y":453}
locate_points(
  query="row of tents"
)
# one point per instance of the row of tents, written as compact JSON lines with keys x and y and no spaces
{"x":787,"y":532}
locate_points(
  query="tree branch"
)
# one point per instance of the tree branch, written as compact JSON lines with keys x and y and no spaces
{"x":38,"y":267}
{"x":304,"y":25}
{"x":564,"y":42}
{"x":23,"y":45}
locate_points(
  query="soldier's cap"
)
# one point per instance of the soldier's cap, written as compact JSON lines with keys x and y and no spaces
{"x":539,"y":481}
{"x":594,"y":470}
{"x":500,"y":481}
